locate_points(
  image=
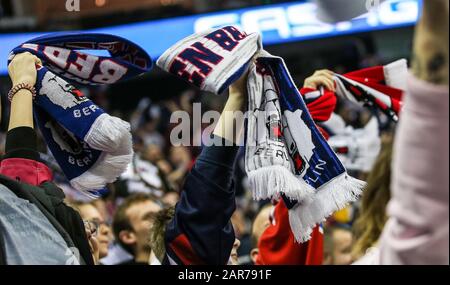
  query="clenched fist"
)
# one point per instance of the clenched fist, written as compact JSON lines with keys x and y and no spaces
{"x":22,"y":69}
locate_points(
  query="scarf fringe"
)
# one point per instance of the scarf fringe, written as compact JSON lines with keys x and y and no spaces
{"x":106,"y":170}
{"x":108,"y":133}
{"x":268,"y":182}
{"x":331,"y":197}
{"x":112,"y":136}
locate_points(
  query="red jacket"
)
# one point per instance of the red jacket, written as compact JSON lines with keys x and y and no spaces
{"x":277,"y":245}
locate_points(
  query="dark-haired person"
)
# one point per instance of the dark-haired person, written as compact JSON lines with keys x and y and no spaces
{"x":36,"y":227}
{"x":131,"y":226}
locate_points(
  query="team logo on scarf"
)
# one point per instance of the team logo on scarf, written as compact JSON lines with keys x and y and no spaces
{"x":60,"y":92}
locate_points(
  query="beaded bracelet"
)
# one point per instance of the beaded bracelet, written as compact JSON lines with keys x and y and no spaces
{"x":19,"y":87}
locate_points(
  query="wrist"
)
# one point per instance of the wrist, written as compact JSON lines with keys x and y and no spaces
{"x":21,"y":89}
{"x":26,"y":80}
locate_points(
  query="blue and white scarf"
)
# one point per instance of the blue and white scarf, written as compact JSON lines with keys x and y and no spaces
{"x":91,"y":147}
{"x":286,"y":155}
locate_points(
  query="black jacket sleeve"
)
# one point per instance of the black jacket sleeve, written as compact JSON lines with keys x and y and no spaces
{"x":201,"y":231}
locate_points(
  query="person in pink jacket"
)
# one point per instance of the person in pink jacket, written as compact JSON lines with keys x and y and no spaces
{"x":417,"y":231}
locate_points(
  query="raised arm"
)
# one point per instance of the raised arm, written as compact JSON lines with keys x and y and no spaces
{"x":201,"y":231}
{"x":21,"y":160}
{"x":226,"y":127}
{"x":22,"y":70}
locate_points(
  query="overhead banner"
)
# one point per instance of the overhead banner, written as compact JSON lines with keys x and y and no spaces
{"x":282,"y":23}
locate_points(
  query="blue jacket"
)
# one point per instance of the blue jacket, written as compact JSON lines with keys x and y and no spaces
{"x":201,"y":231}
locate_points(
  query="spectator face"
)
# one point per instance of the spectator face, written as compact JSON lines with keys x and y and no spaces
{"x":153,"y":153}
{"x":141,"y":216}
{"x":89,"y":213}
{"x":179,"y":156}
{"x":342,"y":241}
{"x":261,"y":223}
{"x":234,"y":255}
{"x":151,"y":126}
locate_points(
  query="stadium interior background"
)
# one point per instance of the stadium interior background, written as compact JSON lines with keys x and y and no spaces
{"x":342,"y":53}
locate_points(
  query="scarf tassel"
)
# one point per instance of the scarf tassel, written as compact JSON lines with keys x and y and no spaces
{"x":112,"y":136}
{"x":331,"y":197}
{"x":109,"y":134}
{"x":269,"y":182}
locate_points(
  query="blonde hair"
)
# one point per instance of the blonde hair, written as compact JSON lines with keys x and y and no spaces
{"x":158,"y":230}
{"x":370,"y":222}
